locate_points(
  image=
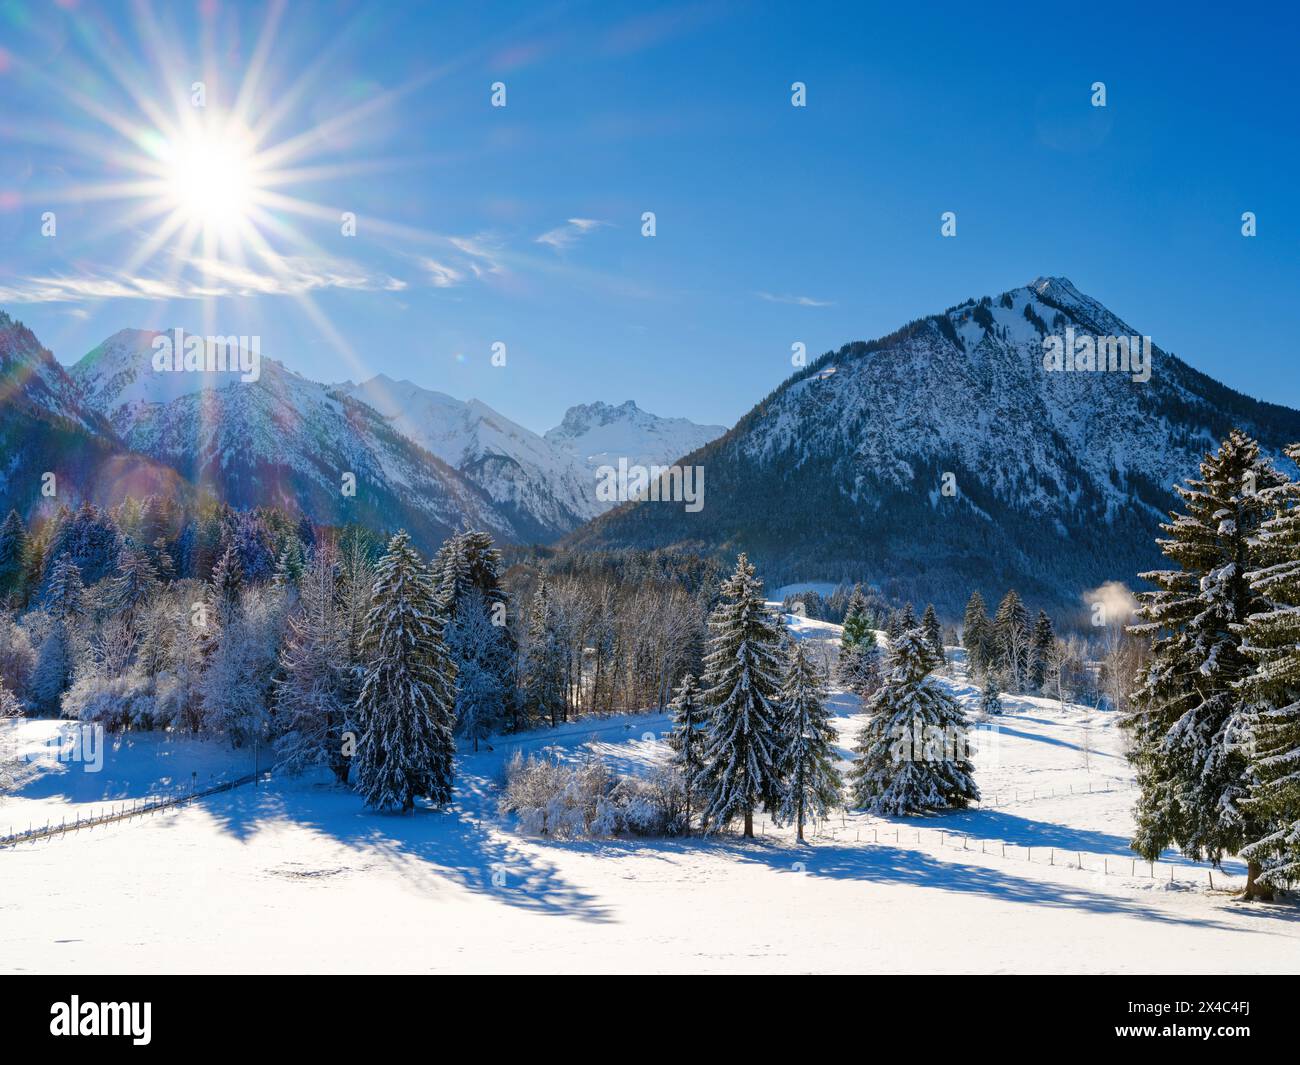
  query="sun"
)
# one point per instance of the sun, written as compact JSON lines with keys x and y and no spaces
{"x":211,"y":177}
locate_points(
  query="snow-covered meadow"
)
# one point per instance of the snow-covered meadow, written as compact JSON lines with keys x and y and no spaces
{"x":298,"y":876}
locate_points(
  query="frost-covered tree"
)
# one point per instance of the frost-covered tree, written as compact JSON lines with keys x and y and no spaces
{"x":311,"y":693}
{"x":13,"y":554}
{"x":1271,"y":641}
{"x":1040,"y":650}
{"x":933,"y":634}
{"x":135,"y":584}
{"x":9,"y":703}
{"x":237,"y":688}
{"x":857,"y":625}
{"x":483,"y":658}
{"x":91,"y":538}
{"x":1012,"y":638}
{"x":991,"y":698}
{"x":811,"y":785}
{"x":976,"y":635}
{"x":227,"y":579}
{"x":742,"y":677}
{"x":686,"y":738}
{"x":406,"y":708}
{"x":858,"y":667}
{"x":912,"y":752}
{"x":544,"y":661}
{"x":1189,"y":713}
{"x":56,"y":658}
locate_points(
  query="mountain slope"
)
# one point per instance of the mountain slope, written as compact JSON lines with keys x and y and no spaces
{"x":599,"y":434}
{"x":538,"y":485}
{"x":45,"y":428}
{"x":282,"y":440}
{"x":545,"y":484}
{"x":1061,"y":477}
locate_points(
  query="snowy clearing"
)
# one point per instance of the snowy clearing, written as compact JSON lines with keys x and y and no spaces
{"x":297,"y":876}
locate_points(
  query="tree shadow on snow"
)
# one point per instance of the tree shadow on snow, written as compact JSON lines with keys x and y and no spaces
{"x":427,"y":848}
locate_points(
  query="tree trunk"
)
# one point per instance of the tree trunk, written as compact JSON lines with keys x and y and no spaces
{"x":749,"y":824}
{"x":1255,"y":890}
{"x":801,"y":826}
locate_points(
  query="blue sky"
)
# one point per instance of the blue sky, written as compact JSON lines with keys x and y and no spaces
{"x":775,"y":224}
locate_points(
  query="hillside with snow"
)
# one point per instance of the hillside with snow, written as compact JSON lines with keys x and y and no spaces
{"x":945,"y":458}
{"x":297,"y":876}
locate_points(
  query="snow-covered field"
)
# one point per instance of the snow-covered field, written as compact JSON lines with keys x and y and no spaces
{"x":297,"y":876}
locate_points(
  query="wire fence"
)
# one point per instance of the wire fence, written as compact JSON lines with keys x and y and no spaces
{"x":127,"y":810}
{"x":1130,"y":867}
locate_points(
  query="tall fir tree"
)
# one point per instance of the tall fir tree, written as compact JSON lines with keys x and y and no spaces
{"x":311,"y":692}
{"x":857,"y":618}
{"x":742,"y":678}
{"x":975,"y":635}
{"x":1040,"y":650}
{"x":1188,"y":710}
{"x":406,"y":706}
{"x":912,"y":752}
{"x":1012,"y":639}
{"x":13,"y":555}
{"x":64,"y":601}
{"x":811,"y":785}
{"x":686,"y":738}
{"x":933,"y":635}
{"x":544,"y":661}
{"x":1271,"y":641}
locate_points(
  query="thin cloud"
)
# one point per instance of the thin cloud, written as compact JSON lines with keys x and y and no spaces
{"x":287,"y":276}
{"x":440,"y":274}
{"x":563,"y":237}
{"x":798,"y":301}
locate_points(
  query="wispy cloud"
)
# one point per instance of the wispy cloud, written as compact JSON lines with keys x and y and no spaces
{"x":440,"y":274}
{"x":562,"y":237}
{"x":206,"y":278}
{"x":798,"y":301}
{"x":484,"y":251}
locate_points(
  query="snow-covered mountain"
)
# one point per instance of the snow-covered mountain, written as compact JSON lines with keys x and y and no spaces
{"x":1059,"y":478}
{"x":45,"y":428}
{"x":537,"y":484}
{"x":599,"y":434}
{"x":545,"y":483}
{"x":281,"y":439}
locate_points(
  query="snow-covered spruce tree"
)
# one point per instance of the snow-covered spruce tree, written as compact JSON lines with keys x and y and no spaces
{"x":811,"y":784}
{"x":991,"y":698}
{"x":407,"y":702}
{"x":135,"y":583}
{"x":483,"y":658}
{"x":9,"y":704}
{"x":686,"y":739}
{"x":933,"y":634}
{"x":311,"y":692}
{"x":1040,"y":650}
{"x":227,"y":580}
{"x":858,"y":667}
{"x":64,"y":602}
{"x":544,"y":662}
{"x":1012,"y":638}
{"x":742,"y":677}
{"x":1188,"y":711}
{"x":857,"y":626}
{"x":1271,"y":640}
{"x":976,"y":637}
{"x":13,"y":554}
{"x":912,"y":752}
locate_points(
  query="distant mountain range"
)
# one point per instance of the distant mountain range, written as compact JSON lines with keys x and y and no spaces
{"x":114,"y":425}
{"x":1058,"y":479}
{"x":941,"y":458}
